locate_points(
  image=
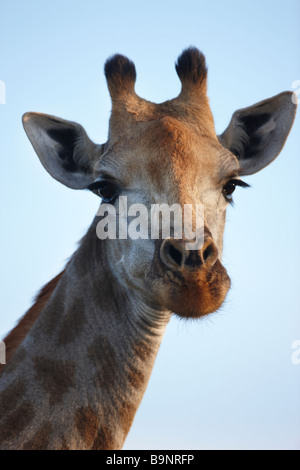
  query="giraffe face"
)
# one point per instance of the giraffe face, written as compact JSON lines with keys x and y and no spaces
{"x":172,"y":165}
{"x":168,"y":154}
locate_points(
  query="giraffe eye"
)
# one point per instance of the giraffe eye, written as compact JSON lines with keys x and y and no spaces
{"x":107,"y":190}
{"x":230,"y":186}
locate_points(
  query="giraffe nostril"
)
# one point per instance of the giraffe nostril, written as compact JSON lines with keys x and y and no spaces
{"x":207,"y":252}
{"x":173,"y":253}
{"x":176,"y":255}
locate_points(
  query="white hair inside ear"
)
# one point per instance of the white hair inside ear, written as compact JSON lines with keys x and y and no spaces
{"x":257,"y":134}
{"x":63,"y":147}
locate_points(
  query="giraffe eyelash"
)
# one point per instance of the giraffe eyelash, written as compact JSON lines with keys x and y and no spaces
{"x":230,"y":186}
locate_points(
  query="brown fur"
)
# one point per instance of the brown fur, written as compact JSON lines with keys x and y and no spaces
{"x":126,"y":414}
{"x":55,"y":376}
{"x":87,"y":424}
{"x":72,"y":323}
{"x":103,"y":355}
{"x":10,"y":397}
{"x":18,"y":334}
{"x":16,"y":421}
{"x":64,"y":445}
{"x":19,"y":357}
{"x":104,"y":440}
{"x":142,"y":349}
{"x":40,"y":440}
{"x":136,"y":377}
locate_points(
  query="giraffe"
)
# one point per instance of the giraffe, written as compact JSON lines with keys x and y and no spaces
{"x":79,"y":361}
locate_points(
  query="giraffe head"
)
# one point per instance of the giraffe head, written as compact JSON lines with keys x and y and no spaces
{"x":166,"y":153}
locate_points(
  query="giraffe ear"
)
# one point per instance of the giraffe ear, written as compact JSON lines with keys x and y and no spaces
{"x":257,"y":134}
{"x":63,"y":148}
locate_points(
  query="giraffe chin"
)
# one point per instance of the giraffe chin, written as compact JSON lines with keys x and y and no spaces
{"x":201,"y":292}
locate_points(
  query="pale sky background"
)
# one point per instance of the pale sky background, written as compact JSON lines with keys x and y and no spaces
{"x":228,"y":381}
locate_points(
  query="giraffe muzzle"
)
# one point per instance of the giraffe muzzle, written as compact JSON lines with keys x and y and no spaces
{"x":176,"y":256}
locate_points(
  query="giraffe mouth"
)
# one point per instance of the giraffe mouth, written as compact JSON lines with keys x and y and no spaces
{"x":200,"y":292}
{"x":191,"y":293}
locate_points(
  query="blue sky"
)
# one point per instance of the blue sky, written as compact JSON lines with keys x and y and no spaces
{"x":226,"y":381}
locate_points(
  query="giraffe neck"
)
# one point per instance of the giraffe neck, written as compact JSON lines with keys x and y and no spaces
{"x":77,"y":379}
